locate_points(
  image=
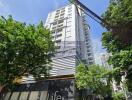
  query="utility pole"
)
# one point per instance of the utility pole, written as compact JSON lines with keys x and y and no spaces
{"x":125,"y":32}
{"x":87,"y":11}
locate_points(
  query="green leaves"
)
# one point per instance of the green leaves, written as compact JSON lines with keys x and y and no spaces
{"x":118,"y":12}
{"x":24,"y":49}
{"x":93,"y":77}
{"x":119,"y":19}
{"x":119,"y":16}
{"x":119,"y":96}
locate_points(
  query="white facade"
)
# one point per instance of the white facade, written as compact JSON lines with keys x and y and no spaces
{"x":104,"y":60}
{"x":71,"y":36}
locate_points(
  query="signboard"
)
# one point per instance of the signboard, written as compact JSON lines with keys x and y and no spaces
{"x":61,"y":90}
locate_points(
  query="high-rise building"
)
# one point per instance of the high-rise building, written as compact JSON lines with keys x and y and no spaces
{"x":70,"y":32}
{"x":104,"y":60}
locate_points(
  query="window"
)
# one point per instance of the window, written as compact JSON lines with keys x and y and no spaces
{"x":69,"y":14}
{"x":53,"y":32}
{"x":54,"y":23}
{"x":70,"y":8}
{"x":69,"y":11}
{"x":61,"y":17}
{"x":89,"y":54}
{"x":55,"y":19}
{"x":87,"y":43}
{"x":52,"y":37}
{"x":69,"y":19}
{"x":59,"y":30}
{"x":46,"y":26}
{"x":56,"y":16}
{"x":57,"y":47}
{"x":68,"y":23}
{"x":57,"y":11}
{"x":69,"y":37}
{"x":58,"y":41}
{"x":68,"y":29}
{"x":88,"y":51}
{"x":87,"y":40}
{"x":60,"y":21}
{"x":90,"y":59}
{"x":59,"y":35}
{"x":68,"y":34}
{"x":62,"y":14}
{"x":63,"y":10}
{"x":53,"y":28}
{"x":90,"y":62}
{"x":88,"y":46}
{"x":60,"y":25}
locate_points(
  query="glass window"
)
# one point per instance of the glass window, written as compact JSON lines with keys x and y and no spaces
{"x":88,"y":51}
{"x":62,"y":14}
{"x":58,"y":41}
{"x":60,"y":25}
{"x":46,"y":26}
{"x":57,"y":13}
{"x":53,"y":32}
{"x":58,"y":10}
{"x":68,"y":23}
{"x":69,"y":14}
{"x":63,"y":10}
{"x":69,"y":37}
{"x":69,"y":11}
{"x":57,"y":16}
{"x":89,"y":54}
{"x":70,"y":8}
{"x":54,"y":23}
{"x":90,"y":62}
{"x":60,"y":21}
{"x":55,"y":19}
{"x":52,"y":37}
{"x":69,"y":19}
{"x":59,"y":35}
{"x":61,"y":17}
{"x":68,"y":29}
{"x":59,"y":30}
{"x":53,"y":27}
{"x":68,"y":34}
{"x":57,"y":47}
{"x":90,"y":59}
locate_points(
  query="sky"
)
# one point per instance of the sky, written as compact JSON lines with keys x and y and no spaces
{"x":33,"y":11}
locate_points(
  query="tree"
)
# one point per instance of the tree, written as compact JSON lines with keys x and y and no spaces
{"x":95,"y":78}
{"x":119,"y":19}
{"x":119,"y":15}
{"x":24,"y":50}
{"x":119,"y":96}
